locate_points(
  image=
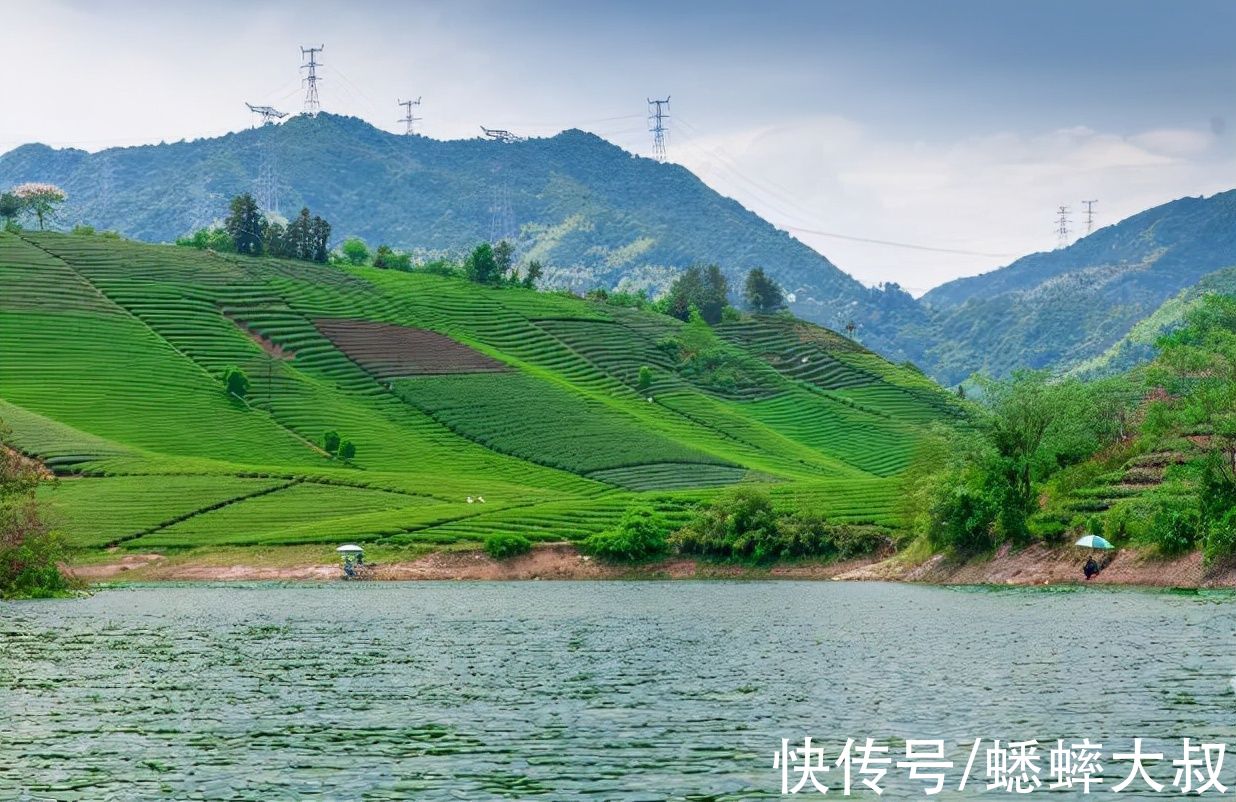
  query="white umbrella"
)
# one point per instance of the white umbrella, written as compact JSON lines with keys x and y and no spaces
{"x":350,"y":549}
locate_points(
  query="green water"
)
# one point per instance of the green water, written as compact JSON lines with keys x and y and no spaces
{"x":563,"y":691}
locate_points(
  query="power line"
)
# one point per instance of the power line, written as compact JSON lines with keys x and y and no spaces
{"x":312,"y":106}
{"x":788,"y":209}
{"x":408,"y":119}
{"x":658,"y":113}
{"x":894,"y":244}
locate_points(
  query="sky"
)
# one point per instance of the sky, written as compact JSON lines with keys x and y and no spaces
{"x":956,"y":127}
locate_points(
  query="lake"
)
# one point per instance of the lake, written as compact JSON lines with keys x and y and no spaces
{"x":571,"y":690}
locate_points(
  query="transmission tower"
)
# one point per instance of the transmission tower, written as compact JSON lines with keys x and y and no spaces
{"x":502,"y":216}
{"x":658,"y":113}
{"x":312,"y":106}
{"x":1062,"y":226}
{"x":1089,"y":215}
{"x":501,"y":135}
{"x":409,"y":120}
{"x":266,"y":187}
{"x":268,"y":113}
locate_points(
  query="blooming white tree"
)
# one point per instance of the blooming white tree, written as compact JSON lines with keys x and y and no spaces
{"x":40,"y":199}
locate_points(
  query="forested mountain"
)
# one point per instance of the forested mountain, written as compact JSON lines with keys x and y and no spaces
{"x":595,"y":214}
{"x":1062,"y":308}
{"x":598,"y":216}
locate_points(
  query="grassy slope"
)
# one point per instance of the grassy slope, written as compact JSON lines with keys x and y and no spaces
{"x":112,"y":352}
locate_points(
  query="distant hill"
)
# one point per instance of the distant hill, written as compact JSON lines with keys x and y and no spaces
{"x":594,"y":213}
{"x":473,"y":409}
{"x":1062,"y":308}
{"x":1138,"y":346}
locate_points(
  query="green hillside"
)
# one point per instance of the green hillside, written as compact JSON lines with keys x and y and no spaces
{"x":593,"y":213}
{"x":1138,"y":346}
{"x":452,"y":393}
{"x":1089,"y":301}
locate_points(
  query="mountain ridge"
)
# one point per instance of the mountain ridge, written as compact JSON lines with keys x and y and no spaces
{"x":1059,"y":309}
{"x":596,"y":214}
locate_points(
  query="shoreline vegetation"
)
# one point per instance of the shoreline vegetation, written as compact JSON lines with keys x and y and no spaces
{"x":1032,"y":565}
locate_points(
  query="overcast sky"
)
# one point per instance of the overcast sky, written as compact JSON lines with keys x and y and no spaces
{"x":949,"y":124}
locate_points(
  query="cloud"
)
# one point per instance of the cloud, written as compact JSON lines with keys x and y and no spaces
{"x":992,"y":192}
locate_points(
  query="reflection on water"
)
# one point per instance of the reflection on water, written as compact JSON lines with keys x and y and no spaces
{"x":608,"y":691}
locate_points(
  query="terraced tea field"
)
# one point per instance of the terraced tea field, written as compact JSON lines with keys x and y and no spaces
{"x":473,"y":409}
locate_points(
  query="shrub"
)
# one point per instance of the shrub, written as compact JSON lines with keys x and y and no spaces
{"x":739,"y":523}
{"x":1173,"y":525}
{"x":213,"y":239}
{"x":236,"y":382}
{"x":355,"y":251}
{"x":387,"y":258}
{"x":1127,"y":521}
{"x":347,"y":449}
{"x":640,"y":535}
{"x":83,"y":231}
{"x":330,"y":442}
{"x":853,"y":540}
{"x":505,"y":545}
{"x":28,"y":565}
{"x":1220,"y":540}
{"x":442,"y":267}
{"x":743,"y":525}
{"x":29,"y":551}
{"x":645,"y":378}
{"x":963,"y":519}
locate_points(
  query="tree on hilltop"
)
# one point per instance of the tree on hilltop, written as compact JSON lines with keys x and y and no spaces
{"x":41,"y":200}
{"x":533,"y":274}
{"x":319,"y":238}
{"x":504,"y":258}
{"x":482,"y":266}
{"x":701,"y":288}
{"x":761,"y":293}
{"x":246,"y":225}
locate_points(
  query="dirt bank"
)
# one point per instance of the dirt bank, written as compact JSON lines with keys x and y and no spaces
{"x":551,"y":561}
{"x":1033,"y":565}
{"x":1043,"y":565}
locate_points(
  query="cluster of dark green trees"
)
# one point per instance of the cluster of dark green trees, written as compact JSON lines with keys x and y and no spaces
{"x":701,"y":290}
{"x":248,"y":231}
{"x":333,"y":444}
{"x":495,"y":265}
{"x":739,"y":525}
{"x":705,"y":290}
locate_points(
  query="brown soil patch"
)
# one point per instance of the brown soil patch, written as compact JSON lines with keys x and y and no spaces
{"x":101,"y":571}
{"x":23,"y":462}
{"x":389,"y":351}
